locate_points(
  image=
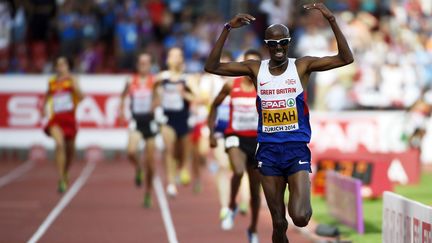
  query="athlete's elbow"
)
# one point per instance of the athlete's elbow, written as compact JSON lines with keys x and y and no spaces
{"x":349,"y":59}
{"x":210,"y":67}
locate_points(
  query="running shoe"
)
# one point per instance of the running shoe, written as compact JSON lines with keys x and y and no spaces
{"x":62,"y":186}
{"x":243,"y":208}
{"x":171,"y":190}
{"x":252,"y":236}
{"x":228,"y":221}
{"x":139,"y":177}
{"x":148,"y":202}
{"x":223,"y":212}
{"x":185,"y":177}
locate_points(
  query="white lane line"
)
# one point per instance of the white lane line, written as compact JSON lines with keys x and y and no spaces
{"x":164,"y":207}
{"x":65,"y":200}
{"x":16,"y":173}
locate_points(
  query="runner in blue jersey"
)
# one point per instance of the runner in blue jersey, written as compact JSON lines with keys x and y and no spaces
{"x":283,"y":127}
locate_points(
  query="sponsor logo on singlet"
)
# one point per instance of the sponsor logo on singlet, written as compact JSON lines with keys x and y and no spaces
{"x":279,"y":115}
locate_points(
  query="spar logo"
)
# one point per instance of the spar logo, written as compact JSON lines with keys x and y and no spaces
{"x":273,"y":104}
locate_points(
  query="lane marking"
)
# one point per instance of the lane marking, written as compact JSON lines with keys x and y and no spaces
{"x":165,"y":211}
{"x":65,"y":200}
{"x":16,"y":173}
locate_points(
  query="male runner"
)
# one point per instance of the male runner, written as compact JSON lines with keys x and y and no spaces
{"x":63,"y":96}
{"x":283,"y":129}
{"x":240,"y":142}
{"x":140,"y":90}
{"x":175,"y":97}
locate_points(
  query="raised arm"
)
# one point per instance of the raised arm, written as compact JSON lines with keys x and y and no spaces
{"x":211,"y":120}
{"x":213,"y":64}
{"x":344,"y":55}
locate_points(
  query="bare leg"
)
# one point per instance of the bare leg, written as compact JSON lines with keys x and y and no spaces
{"x":169,"y":138}
{"x":299,"y":205}
{"x":149,"y":163}
{"x":255,"y":199}
{"x":132,"y":148}
{"x":70,"y":153}
{"x":222,"y":176}
{"x":60,"y":149}
{"x":274,"y":189}
{"x":238,"y":163}
{"x":184,"y":151}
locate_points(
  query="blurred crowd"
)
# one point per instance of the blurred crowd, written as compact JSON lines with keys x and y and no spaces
{"x":391,"y":41}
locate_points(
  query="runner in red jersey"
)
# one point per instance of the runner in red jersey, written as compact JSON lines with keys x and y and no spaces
{"x":62,"y":97}
{"x":139,"y":88}
{"x":240,"y":143}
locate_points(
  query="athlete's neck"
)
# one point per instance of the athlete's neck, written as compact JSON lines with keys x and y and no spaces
{"x":143,"y":76}
{"x":276,"y":64}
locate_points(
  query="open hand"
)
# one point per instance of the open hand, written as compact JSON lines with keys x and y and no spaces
{"x":240,"y":20}
{"x":321,"y":7}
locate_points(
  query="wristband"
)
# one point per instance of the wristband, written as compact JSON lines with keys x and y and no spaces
{"x":227,"y":26}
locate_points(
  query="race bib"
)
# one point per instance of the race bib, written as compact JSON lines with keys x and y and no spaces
{"x":62,"y":102}
{"x":244,"y":115}
{"x":172,"y":99}
{"x":142,"y":103}
{"x":244,"y":119}
{"x":279,"y":116}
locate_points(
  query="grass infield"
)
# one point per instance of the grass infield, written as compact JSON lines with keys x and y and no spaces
{"x":372,"y":210}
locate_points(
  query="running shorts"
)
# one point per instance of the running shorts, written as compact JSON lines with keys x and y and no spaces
{"x":246,"y":144}
{"x":283,"y":159}
{"x":145,"y":125}
{"x":67,"y":123}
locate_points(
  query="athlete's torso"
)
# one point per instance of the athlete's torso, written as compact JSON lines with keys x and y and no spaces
{"x":243,"y":115}
{"x":63,"y":98}
{"x":281,"y":104}
{"x":141,"y":95}
{"x":173,"y":101}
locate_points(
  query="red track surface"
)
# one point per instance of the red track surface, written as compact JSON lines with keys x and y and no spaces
{"x":108,"y":209}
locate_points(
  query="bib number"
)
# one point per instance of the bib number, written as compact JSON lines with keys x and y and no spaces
{"x":62,"y":102}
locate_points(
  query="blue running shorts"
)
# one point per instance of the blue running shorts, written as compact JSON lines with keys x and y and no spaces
{"x":283,"y":159}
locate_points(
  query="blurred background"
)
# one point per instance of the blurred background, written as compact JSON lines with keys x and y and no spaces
{"x":391,"y":40}
{"x":375,"y":110}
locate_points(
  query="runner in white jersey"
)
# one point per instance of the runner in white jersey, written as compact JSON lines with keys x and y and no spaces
{"x":283,"y":126}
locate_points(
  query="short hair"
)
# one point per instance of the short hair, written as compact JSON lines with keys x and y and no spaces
{"x":253,"y":52}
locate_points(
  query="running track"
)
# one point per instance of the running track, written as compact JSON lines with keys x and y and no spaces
{"x":106,"y":207}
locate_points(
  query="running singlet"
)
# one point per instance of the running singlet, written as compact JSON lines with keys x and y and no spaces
{"x":282,"y":109}
{"x":243,"y":115}
{"x":141,"y":96}
{"x":176,"y":108}
{"x":172,"y":100}
{"x":63,"y":99}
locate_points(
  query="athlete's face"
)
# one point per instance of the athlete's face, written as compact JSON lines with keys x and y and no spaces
{"x":277,"y":41}
{"x":144,"y":64}
{"x":62,"y":66}
{"x":175,"y":58}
